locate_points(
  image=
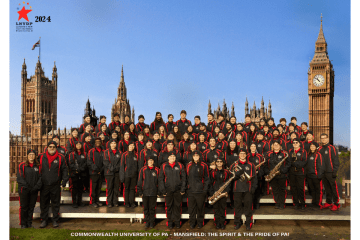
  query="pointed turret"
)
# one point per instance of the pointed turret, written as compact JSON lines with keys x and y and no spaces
{"x":232,"y":110}
{"x":246,"y":106}
{"x":209,"y":107}
{"x":321,"y":37}
{"x":122,"y":73}
{"x":24,"y":66}
{"x":269,"y":109}
{"x":321,"y":54}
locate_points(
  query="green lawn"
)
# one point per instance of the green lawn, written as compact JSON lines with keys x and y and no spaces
{"x":17,"y":234}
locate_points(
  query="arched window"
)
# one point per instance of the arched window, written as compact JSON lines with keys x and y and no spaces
{"x":27,"y":106}
{"x":46,"y":110}
{"x":49,"y":107}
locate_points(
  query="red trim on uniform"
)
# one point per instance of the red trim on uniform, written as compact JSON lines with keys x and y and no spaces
{"x":90,"y":191}
{"x":321,"y":192}
{"x":106,"y":191}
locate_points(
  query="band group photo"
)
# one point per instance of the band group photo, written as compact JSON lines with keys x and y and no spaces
{"x":223,"y":164}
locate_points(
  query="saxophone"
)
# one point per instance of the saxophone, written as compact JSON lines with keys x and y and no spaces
{"x":219,"y":193}
{"x":294,"y":156}
{"x":276,"y":170}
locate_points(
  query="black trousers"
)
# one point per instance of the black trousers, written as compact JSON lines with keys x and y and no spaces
{"x":278,"y":186}
{"x":50,"y":193}
{"x":258,"y":191}
{"x":297,"y":188}
{"x":27,"y":205}
{"x":76,"y":193}
{"x":196,"y":206}
{"x":112,"y":189}
{"x":149,"y":205}
{"x":331,"y":189}
{"x":129,"y":193}
{"x":239,"y":199}
{"x":315,"y":185}
{"x":173,"y":207}
{"x":220,"y":211}
{"x":95,"y":188}
{"x":86,"y":181}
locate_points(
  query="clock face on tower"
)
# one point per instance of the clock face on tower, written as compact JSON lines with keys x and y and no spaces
{"x":318,"y":80}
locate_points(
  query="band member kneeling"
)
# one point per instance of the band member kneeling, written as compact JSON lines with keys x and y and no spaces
{"x":244,"y":188}
{"x":147,"y":187}
{"x":198,"y":184}
{"x":218,"y":177}
{"x":172,"y":184}
{"x":276,"y":171}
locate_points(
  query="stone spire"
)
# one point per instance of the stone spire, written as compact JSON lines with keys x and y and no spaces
{"x":232,"y":110}
{"x":269,"y":109}
{"x":122,"y":73}
{"x":209,"y":107}
{"x":321,"y":37}
{"x":246,"y":106}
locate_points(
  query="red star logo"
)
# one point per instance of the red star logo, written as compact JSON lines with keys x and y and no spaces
{"x":23,"y":13}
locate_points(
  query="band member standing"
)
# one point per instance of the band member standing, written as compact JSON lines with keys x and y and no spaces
{"x":240,"y":130}
{"x":298,"y":157}
{"x":314,"y":174}
{"x":278,"y":183}
{"x":221,"y":121}
{"x":203,"y":131}
{"x":102,"y":121}
{"x":218,"y":177}
{"x":283,"y":124}
{"x":147,"y":152}
{"x":221,"y":143}
{"x":158,"y":121}
{"x":211,"y":123}
{"x":132,"y":132}
{"x":128,"y":173}
{"x":228,"y":132}
{"x":140,"y":143}
{"x":271,"y":124}
{"x":268,"y":132}
{"x":183,"y":123}
{"x":262,"y":146}
{"x":331,"y":165}
{"x":309,"y":141}
{"x":231,"y":153}
{"x":125,"y":126}
{"x":297,"y":128}
{"x":164,"y":155}
{"x":243,"y":190}
{"x":147,"y":187}
{"x":277,"y":137}
{"x":95,"y":165}
{"x":247,"y":123}
{"x":256,"y":158}
{"x":157,"y":142}
{"x":212,"y":153}
{"x":169,"y":126}
{"x":52,"y":170}
{"x":202,"y":145}
{"x":177,"y":134}
{"x":124,"y":144}
{"x":29,"y":184}
{"x":87,"y":120}
{"x":78,"y":174}
{"x":188,"y":155}
{"x":304,"y":131}
{"x":184,"y":143}
{"x":173,"y":174}
{"x":115,"y":123}
{"x":112,"y":159}
{"x":198,"y":184}
{"x":140,"y":125}
{"x":196,"y":127}
{"x":70,"y":144}
{"x":114,"y":136}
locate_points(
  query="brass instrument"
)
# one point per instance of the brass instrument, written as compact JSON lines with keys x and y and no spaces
{"x":256,"y":169}
{"x":229,"y":137}
{"x":275,"y":170}
{"x":219,"y":193}
{"x":294,"y":156}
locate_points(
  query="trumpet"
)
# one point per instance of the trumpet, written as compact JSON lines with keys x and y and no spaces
{"x":243,"y":176}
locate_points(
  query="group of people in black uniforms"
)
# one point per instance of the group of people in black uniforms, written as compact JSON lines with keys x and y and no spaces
{"x":178,"y":159}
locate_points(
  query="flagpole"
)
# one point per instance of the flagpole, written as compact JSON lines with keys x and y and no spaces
{"x":39,"y":48}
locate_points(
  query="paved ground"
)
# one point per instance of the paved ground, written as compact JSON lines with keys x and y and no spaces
{"x":294,"y":229}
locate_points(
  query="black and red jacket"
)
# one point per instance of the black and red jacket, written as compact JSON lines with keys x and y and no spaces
{"x":272,"y":128}
{"x":286,"y":129}
{"x":123,"y":145}
{"x":218,"y":178}
{"x":297,"y":129}
{"x":133,"y":136}
{"x":139,"y":145}
{"x":211,"y":126}
{"x":282,"y":143}
{"x":147,"y":184}
{"x":192,"y":136}
{"x":112,"y":162}
{"x":247,"y":127}
{"x":222,"y":145}
{"x":268,"y":136}
{"x":77,"y":163}
{"x":148,"y":153}
{"x":289,"y":133}
{"x":172,"y":178}
{"x":55,"y":173}
{"x":60,"y":149}
{"x":82,"y":128}
{"x":70,"y":144}
{"x":107,"y":145}
{"x":95,"y":161}
{"x":188,"y":156}
{"x":306,"y":145}
{"x":106,"y":135}
{"x":183,"y":125}
{"x":82,"y":138}
{"x":303,"y":136}
{"x":252,"y":137}
{"x":256,"y":159}
{"x":208,"y":135}
{"x":298,"y":160}
{"x":28,"y":177}
{"x":195,"y":182}
{"x":330,"y":158}
{"x":241,"y":146}
{"x":128,"y":166}
{"x":230,"y":158}
{"x":169,"y":127}
{"x":314,"y":167}
{"x":86,"y":147}
{"x":289,"y":145}
{"x":227,"y":134}
{"x":222,"y":124}
{"x":202,"y":146}
{"x":112,"y":126}
{"x":125,"y":127}
{"x":139,"y":127}
{"x":272,"y":159}
{"x":244,"y":186}
{"x":157,"y":145}
{"x":154,"y":126}
{"x":196,"y":128}
{"x":164,"y":156}
{"x":183,"y":146}
{"x":244,"y":135}
{"x":262,"y":147}
{"x":211,"y":155}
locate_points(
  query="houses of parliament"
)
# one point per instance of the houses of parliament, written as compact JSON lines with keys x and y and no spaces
{"x":39,"y":105}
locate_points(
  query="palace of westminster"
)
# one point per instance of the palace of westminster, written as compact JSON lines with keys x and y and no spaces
{"x":39,"y":106}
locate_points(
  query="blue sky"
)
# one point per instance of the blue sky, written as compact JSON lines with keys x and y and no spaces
{"x":179,"y":54}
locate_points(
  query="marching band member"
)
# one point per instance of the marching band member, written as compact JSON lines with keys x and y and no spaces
{"x":309,"y":140}
{"x":196,"y":126}
{"x":221,"y":143}
{"x":314,"y":174}
{"x":331,"y":165}
{"x":297,"y":128}
{"x":221,"y":121}
{"x":202,"y":145}
{"x":148,"y":151}
{"x":140,"y":125}
{"x":211,"y":123}
{"x":203,"y":131}
{"x":124,"y":144}
{"x":188,"y":155}
{"x":70,"y":144}
{"x":29,"y":184}
{"x":278,"y":183}
{"x":212,"y":153}
{"x":298,"y":157}
{"x":164,"y":155}
{"x":87,"y":121}
{"x":147,"y":187}
{"x":125,"y":126}
{"x":183,"y":123}
{"x":115,"y":123}
{"x":198,"y":184}
{"x":102,"y":122}
{"x":95,"y":165}
{"x":231,"y":153}
{"x":158,"y":121}
{"x":169,"y":126}
{"x":173,"y":174}
{"x":218,"y":177}
{"x":256,"y":158}
{"x":140,"y":143}
{"x":247,"y":123}
{"x":243,"y":190}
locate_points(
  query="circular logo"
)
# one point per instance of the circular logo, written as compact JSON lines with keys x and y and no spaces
{"x":247,"y":168}
{"x":257,"y":161}
{"x":259,"y":145}
{"x":191,"y":138}
{"x":298,"y":154}
{"x":82,"y":156}
{"x":176,"y":168}
{"x":55,"y":161}
{"x":326,"y":152}
{"x":279,"y":156}
{"x":311,"y":158}
{"x":186,"y":124}
{"x":215,"y":156}
{"x":235,"y":154}
{"x":198,"y":169}
{"x":155,"y":154}
{"x":117,"y":155}
{"x":203,"y":147}
{"x":154,"y":174}
{"x":135,"y":158}
{"x":36,"y":169}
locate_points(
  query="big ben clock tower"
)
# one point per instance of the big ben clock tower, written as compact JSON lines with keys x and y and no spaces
{"x":321,"y":90}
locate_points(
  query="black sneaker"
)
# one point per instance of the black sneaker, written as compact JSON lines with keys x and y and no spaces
{"x":43,"y":224}
{"x":218,"y":226}
{"x":133,"y":205}
{"x":116,"y":205}
{"x":110,"y":206}
{"x":75,"y":205}
{"x":55,"y":224}
{"x":127,"y":205}
{"x":170,"y":225}
{"x":151,"y":225}
{"x":237,"y":226}
{"x":296,"y":206}
{"x":94,"y":205}
{"x":147,"y":225}
{"x":99,"y":204}
{"x":30,"y":225}
{"x":23,"y":226}
{"x":302,"y":207}
{"x":81,"y":204}
{"x":200,"y":225}
{"x":277,"y":206}
{"x":257,"y":206}
{"x":192,"y":226}
{"x":222,"y":226}
{"x":248,"y":227}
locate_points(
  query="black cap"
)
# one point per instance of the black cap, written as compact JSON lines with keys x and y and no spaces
{"x":172,"y":153}
{"x":170,"y":115}
{"x":291,"y":124}
{"x":52,"y":142}
{"x":196,"y":152}
{"x":112,"y":140}
{"x":131,"y":142}
{"x":261,"y":132}
{"x":56,"y":136}
{"x":271,"y":119}
{"x":296,"y":139}
{"x":202,"y":124}
{"x":141,"y":116}
{"x":242,"y":150}
{"x":114,"y":131}
{"x":102,"y":116}
{"x":169,"y":141}
{"x":247,"y":115}
{"x":211,"y":114}
{"x":310,"y":132}
{"x":31,"y":151}
{"x":293,"y":133}
{"x":97,"y":138}
{"x":86,"y":124}
{"x":262,"y":119}
{"x":73,"y":129}
{"x":305,"y":123}
{"x":149,"y":140}
{"x":116,"y":114}
{"x":276,"y":141}
{"x":158,"y":113}
{"x":86,"y":115}
{"x":293,"y":118}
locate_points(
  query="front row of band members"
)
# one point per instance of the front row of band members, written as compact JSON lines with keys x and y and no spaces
{"x":47,"y":172}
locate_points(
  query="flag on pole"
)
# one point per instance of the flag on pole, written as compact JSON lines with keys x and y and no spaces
{"x":37,"y":44}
